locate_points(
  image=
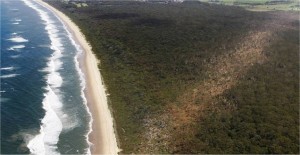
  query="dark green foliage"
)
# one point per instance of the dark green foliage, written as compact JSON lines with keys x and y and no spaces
{"x":267,"y":101}
{"x":152,"y":53}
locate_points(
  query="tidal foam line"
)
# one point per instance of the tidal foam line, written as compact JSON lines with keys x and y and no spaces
{"x":82,"y":79}
{"x":46,"y":141}
{"x":82,"y":84}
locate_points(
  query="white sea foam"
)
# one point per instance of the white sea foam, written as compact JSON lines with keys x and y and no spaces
{"x":18,"y":39}
{"x":16,"y":20}
{"x":15,"y":47}
{"x":46,"y":141}
{"x":82,"y":84}
{"x":8,"y":76}
{"x":82,"y":79}
{"x":8,"y":68}
{"x":54,"y":79}
{"x":15,"y":33}
{"x":15,"y":56}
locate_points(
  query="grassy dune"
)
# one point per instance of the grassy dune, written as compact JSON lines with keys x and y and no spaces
{"x":196,"y":77}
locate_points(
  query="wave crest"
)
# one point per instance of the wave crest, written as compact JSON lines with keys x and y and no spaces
{"x":15,"y":47}
{"x":18,"y":39}
{"x":46,"y":141}
{"x":8,"y":76}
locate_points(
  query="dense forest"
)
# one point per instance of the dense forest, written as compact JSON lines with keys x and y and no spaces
{"x":195,"y":77}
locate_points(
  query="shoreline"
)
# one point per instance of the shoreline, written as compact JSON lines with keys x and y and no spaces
{"x":102,"y":136}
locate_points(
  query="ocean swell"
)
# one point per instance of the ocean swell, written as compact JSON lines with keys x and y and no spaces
{"x":18,"y":39}
{"x":82,"y":79}
{"x":46,"y":141}
{"x":8,"y":76}
{"x":55,"y":121}
{"x":82,"y":84}
{"x":15,"y":47}
{"x":8,"y":68}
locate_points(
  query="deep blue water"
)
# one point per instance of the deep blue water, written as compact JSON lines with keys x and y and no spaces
{"x":26,"y":78}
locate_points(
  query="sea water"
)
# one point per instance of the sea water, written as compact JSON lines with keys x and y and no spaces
{"x":43,"y":108}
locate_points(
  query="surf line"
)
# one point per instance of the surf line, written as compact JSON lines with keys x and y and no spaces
{"x":46,"y":140}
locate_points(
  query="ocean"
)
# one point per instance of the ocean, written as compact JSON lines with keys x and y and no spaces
{"x":43,"y":107}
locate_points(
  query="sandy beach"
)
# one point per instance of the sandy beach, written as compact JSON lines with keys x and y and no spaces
{"x":103,"y":135}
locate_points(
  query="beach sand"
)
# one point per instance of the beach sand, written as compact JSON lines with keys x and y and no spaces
{"x":103,"y":135}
